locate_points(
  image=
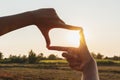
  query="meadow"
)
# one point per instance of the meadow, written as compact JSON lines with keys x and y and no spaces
{"x":53,"y":70}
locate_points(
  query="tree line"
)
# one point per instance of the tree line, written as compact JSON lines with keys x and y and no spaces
{"x":100,"y":56}
{"x":31,"y":58}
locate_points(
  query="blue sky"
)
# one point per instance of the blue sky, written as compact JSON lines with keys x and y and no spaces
{"x":99,"y":18}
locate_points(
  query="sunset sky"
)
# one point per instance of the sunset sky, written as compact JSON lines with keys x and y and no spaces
{"x":100,"y":20}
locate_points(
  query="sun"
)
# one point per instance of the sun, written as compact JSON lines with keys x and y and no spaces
{"x":73,"y":38}
{"x":64,"y":37}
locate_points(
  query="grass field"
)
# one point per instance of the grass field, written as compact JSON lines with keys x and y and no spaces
{"x":51,"y":70}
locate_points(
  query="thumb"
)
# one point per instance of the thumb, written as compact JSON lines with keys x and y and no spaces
{"x":82,"y":40}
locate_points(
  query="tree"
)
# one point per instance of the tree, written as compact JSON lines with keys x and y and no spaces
{"x":99,"y":56}
{"x":1,"y":55}
{"x":32,"y":57}
{"x":24,"y":59}
{"x":106,"y":57}
{"x":116,"y":58}
{"x":94,"y":55}
{"x":16,"y":59}
{"x":39,"y":57}
{"x":52,"y":57}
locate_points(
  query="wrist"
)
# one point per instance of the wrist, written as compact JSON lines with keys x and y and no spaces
{"x":91,"y":71}
{"x":89,"y":66}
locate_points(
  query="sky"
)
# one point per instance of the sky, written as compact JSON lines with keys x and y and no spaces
{"x":100,"y":20}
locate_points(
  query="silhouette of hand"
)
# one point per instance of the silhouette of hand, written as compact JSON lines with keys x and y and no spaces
{"x":78,"y":58}
{"x":47,"y":19}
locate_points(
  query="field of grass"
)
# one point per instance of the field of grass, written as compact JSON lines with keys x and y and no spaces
{"x":52,"y":70}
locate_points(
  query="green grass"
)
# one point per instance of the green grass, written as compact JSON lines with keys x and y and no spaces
{"x":53,"y":61}
{"x":53,"y":70}
{"x":108,"y":62}
{"x":41,"y":74}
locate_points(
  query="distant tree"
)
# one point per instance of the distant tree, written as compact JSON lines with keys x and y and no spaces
{"x":106,"y":57}
{"x":40,"y":57}
{"x":6,"y":60}
{"x":99,"y":56}
{"x":116,"y":58}
{"x":14,"y":59}
{"x":32,"y":57}
{"x":1,"y":55}
{"x":24,"y":59}
{"x":94,"y":55}
{"x":52,"y":57}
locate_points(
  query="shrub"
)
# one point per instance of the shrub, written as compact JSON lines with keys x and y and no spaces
{"x":105,"y":62}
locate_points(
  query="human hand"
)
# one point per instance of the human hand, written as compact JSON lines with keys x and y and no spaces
{"x":47,"y":19}
{"x":78,"y":58}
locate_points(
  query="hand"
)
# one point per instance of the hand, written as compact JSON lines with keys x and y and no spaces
{"x":47,"y":19}
{"x":78,"y":58}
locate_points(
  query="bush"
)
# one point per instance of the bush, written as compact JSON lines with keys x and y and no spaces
{"x":5,"y":61}
{"x":105,"y":62}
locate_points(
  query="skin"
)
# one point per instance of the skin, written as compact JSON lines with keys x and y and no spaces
{"x":80,"y":59}
{"x":45,"y":19}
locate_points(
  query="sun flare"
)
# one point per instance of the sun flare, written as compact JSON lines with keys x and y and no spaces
{"x":74,"y":38}
{"x":64,"y":37}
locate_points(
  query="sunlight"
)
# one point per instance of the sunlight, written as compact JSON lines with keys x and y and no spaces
{"x":73,"y":38}
{"x":64,"y":37}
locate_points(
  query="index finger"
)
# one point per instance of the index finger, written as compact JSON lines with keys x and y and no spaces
{"x":58,"y":48}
